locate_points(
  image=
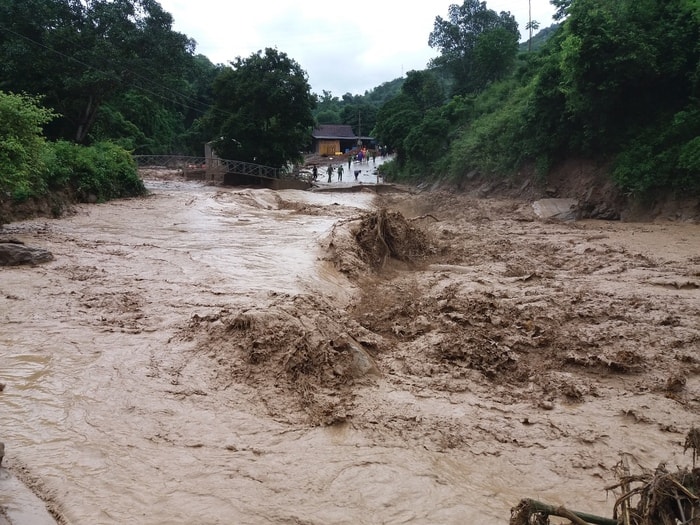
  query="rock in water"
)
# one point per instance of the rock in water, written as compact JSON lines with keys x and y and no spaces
{"x":15,"y":254}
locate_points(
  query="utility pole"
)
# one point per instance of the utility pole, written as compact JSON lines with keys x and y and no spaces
{"x":529,"y":24}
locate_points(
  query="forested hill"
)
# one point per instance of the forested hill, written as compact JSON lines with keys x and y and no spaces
{"x":614,"y":83}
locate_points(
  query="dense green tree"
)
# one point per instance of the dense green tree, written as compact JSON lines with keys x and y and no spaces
{"x":384,"y":92}
{"x":359,"y":114}
{"x":80,"y":54}
{"x":32,"y":167}
{"x":410,"y":122}
{"x":22,"y":145}
{"x":395,"y":121}
{"x":328,"y":107}
{"x":561,"y":8}
{"x":477,"y":45}
{"x":262,"y":111}
{"x":148,"y":124}
{"x":622,"y":63}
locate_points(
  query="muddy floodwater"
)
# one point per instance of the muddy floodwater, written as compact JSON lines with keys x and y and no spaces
{"x":219,"y":355}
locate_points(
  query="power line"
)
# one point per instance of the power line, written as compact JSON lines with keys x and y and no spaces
{"x":120,"y":80}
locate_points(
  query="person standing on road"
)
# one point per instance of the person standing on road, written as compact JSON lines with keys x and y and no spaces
{"x":340,"y":173}
{"x":330,"y":172}
{"x":350,"y":161}
{"x":314,"y":173}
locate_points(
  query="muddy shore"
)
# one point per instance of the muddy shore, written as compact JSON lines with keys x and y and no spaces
{"x":218,"y":355}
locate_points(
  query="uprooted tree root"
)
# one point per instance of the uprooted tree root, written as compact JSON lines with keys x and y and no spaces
{"x":388,"y":234}
{"x":662,"y":498}
{"x":665,"y":498}
{"x":531,"y":512}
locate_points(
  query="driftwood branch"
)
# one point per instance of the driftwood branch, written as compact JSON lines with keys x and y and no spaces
{"x":582,"y":517}
{"x":426,"y":216}
{"x":573,"y":518}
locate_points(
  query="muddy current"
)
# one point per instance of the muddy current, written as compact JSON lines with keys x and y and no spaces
{"x":220,"y":355}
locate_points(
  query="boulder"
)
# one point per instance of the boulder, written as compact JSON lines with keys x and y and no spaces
{"x":560,"y":209}
{"x":15,"y":253}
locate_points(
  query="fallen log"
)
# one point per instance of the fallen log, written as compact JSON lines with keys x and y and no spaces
{"x":520,"y":515}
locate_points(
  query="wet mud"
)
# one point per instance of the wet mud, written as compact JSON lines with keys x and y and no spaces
{"x":218,"y":355}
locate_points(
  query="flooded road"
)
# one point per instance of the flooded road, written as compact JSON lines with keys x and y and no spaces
{"x":126,"y":401}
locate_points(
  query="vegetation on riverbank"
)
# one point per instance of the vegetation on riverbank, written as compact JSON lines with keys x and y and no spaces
{"x":35,"y":169}
{"x":616,"y":84}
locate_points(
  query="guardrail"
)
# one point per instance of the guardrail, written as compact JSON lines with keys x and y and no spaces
{"x":210,"y":165}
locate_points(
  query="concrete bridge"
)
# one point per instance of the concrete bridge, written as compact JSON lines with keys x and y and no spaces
{"x":229,"y":172}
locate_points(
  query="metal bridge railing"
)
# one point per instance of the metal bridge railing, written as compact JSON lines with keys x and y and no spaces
{"x":218,"y":165}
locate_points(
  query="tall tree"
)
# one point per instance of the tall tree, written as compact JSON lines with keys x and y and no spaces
{"x":22,"y":145}
{"x":562,"y":7}
{"x":262,"y":111}
{"x":477,"y":45}
{"x":619,"y":59}
{"x":80,"y":54}
{"x":412,"y":112}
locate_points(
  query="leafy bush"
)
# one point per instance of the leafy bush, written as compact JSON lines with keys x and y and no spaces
{"x":22,"y":146}
{"x":496,"y":141}
{"x":104,"y":170}
{"x":32,"y":167}
{"x":663,"y":156}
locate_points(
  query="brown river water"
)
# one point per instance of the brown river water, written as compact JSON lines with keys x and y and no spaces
{"x":128,"y":400}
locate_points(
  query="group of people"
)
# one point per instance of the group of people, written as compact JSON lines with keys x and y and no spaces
{"x":362,"y":155}
{"x":330,"y":169}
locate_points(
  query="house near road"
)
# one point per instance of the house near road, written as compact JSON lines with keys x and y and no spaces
{"x":335,"y":139}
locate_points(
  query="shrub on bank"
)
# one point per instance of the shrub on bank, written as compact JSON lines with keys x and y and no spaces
{"x":102,"y":171}
{"x":31,"y":167}
{"x":22,"y":146}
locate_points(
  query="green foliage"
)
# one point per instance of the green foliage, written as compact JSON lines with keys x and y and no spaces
{"x":103,"y":171}
{"x":358,"y":111}
{"x":426,"y":142}
{"x":80,"y":55}
{"x":493,"y":142}
{"x":622,"y":63}
{"x":411,"y":123}
{"x":562,"y":7}
{"x":539,"y":39}
{"x":663,"y":156}
{"x":395,"y":121}
{"x":359,"y":114}
{"x":328,"y":117}
{"x":32,"y":167}
{"x":262,"y":111}
{"x":477,"y":45}
{"x":137,"y":122}
{"x":22,"y":146}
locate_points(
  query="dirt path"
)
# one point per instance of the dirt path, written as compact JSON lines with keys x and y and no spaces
{"x":236,"y":356}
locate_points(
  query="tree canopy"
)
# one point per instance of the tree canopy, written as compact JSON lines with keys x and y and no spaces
{"x":615,"y":81}
{"x":82,"y":55}
{"x":21,"y":143}
{"x":477,"y":45}
{"x":262,"y":110}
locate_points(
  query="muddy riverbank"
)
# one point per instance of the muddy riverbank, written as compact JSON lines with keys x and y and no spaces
{"x":233,"y":355}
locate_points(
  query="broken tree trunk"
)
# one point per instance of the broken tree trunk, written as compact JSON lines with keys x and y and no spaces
{"x":532,"y":506}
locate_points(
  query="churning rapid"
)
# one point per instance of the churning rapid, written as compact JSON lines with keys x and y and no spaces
{"x":209,"y":355}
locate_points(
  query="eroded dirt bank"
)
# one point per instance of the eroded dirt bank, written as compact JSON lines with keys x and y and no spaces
{"x":243,"y":356}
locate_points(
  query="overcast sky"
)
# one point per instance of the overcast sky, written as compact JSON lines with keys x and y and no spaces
{"x":343,"y":50}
